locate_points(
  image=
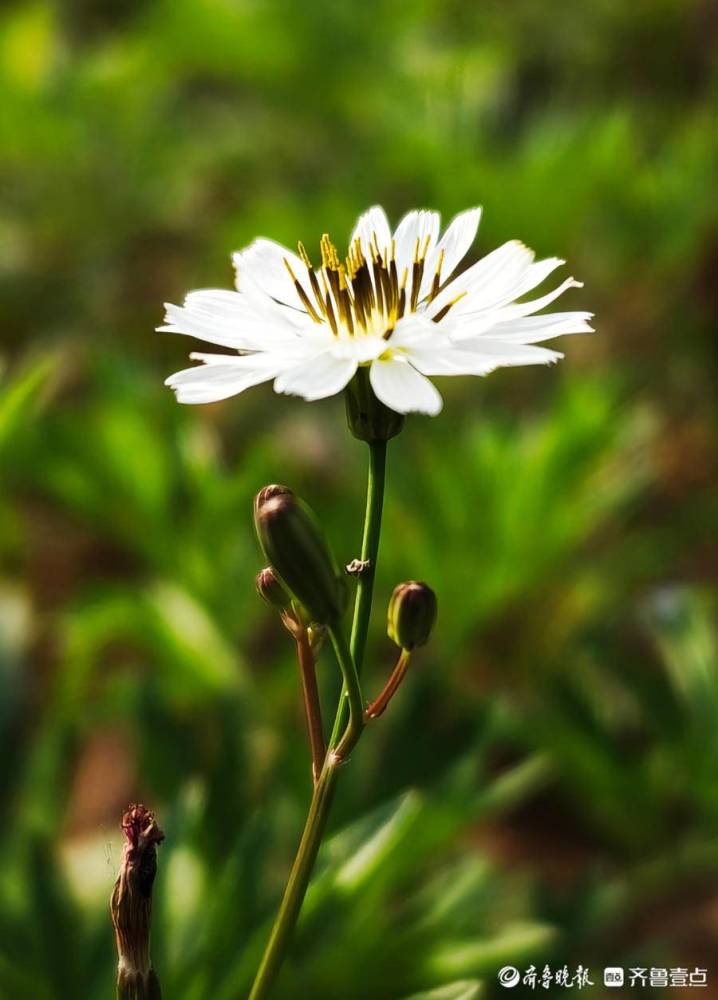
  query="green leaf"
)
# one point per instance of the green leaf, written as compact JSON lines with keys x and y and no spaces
{"x":20,"y":398}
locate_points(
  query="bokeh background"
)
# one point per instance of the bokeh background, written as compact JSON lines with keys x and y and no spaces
{"x":544,"y":790}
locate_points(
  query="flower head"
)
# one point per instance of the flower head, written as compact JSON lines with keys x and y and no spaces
{"x":392,"y":305}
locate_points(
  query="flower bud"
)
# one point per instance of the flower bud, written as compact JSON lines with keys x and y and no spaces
{"x":294,"y":544}
{"x":411,"y":614}
{"x":270,"y":588}
{"x":269,"y":493}
{"x":369,"y":419}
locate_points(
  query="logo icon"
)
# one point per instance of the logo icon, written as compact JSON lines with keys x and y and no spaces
{"x":509,"y":976}
{"x":613,"y":976}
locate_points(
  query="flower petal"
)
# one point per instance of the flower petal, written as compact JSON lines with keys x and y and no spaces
{"x":532,"y":329}
{"x":318,"y":377}
{"x":416,"y":225}
{"x":527,"y":308}
{"x":264,"y":262}
{"x":415,"y":329}
{"x":213,"y":381}
{"x":426,"y":346}
{"x":455,"y":244}
{"x":227,"y":318}
{"x":450,"y":361}
{"x":488,"y":283}
{"x":373,"y":224}
{"x":505,"y":355}
{"x":402,"y":388}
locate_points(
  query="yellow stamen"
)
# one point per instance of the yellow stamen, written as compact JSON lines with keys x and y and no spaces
{"x":304,"y":255}
{"x":436,"y":283}
{"x":444,"y":309}
{"x":306,"y":301}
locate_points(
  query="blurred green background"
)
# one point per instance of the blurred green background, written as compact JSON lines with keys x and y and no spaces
{"x":544,"y":789}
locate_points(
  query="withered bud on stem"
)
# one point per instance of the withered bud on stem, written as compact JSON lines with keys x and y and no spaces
{"x":294,"y":545}
{"x":411,"y":614}
{"x":131,"y":905}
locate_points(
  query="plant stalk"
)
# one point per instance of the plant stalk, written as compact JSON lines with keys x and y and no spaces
{"x":344,"y":736}
{"x":365,"y":585}
{"x":298,"y":881}
{"x":312,"y":705}
{"x":354,"y":696}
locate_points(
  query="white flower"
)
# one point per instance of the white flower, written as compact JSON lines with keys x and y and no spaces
{"x":392,"y":306}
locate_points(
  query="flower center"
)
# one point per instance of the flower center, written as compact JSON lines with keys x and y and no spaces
{"x":365,"y":297}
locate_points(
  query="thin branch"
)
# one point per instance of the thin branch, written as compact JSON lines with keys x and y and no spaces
{"x":379,"y":705}
{"x":312,"y":705}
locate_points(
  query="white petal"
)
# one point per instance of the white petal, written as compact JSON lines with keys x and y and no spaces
{"x":404,"y":389}
{"x":472,"y":324}
{"x":240,"y":362}
{"x":527,"y":308}
{"x":450,"y":361}
{"x":177,"y":322}
{"x":264,"y":305}
{"x":208,"y":393}
{"x":489,"y":283}
{"x":518,"y":309}
{"x":455,"y":243}
{"x":533,"y":329}
{"x":427,"y":347}
{"x":359,"y":349}
{"x":213,"y":381}
{"x":535,"y":274}
{"x":264,"y":263}
{"x":414,"y":329}
{"x":372,"y":225}
{"x":416,"y":225}
{"x":318,"y":377}
{"x":219,"y":367}
{"x":506,"y":355}
{"x":227,"y":318}
{"x":504,"y":292}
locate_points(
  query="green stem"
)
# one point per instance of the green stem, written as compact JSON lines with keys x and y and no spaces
{"x":350,"y":660}
{"x":365,"y":586}
{"x":286,"y":920}
{"x":354,"y":697}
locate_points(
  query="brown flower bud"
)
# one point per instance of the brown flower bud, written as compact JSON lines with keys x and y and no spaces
{"x":269,"y":493}
{"x":411,"y":614}
{"x":271,"y":589}
{"x":294,"y":545}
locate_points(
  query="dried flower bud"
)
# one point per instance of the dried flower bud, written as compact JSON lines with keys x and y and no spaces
{"x":294,"y":544}
{"x":270,"y":589}
{"x":411,"y":614}
{"x":369,"y":419}
{"x":131,"y":905}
